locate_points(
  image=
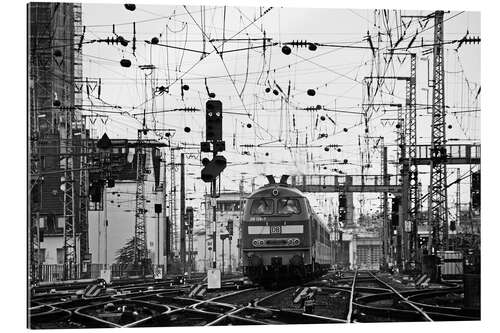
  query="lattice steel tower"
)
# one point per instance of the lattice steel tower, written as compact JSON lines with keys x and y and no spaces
{"x":140,"y":240}
{"x":411,"y":144}
{"x":69,"y":233}
{"x":172,"y":203}
{"x":438,"y":210}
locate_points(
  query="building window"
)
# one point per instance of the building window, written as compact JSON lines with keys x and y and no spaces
{"x":43,"y":222}
{"x":60,"y":222}
{"x":60,"y":256}
{"x":42,"y":255}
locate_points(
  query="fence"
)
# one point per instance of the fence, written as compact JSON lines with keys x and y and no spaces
{"x":55,"y":272}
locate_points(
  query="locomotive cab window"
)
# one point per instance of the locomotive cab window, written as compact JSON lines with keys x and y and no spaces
{"x":288,"y":206}
{"x":262,"y":207}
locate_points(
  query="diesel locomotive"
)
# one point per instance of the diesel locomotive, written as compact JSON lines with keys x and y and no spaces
{"x":282,"y":238}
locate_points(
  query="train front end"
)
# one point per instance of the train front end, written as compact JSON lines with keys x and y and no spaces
{"x":276,"y":234}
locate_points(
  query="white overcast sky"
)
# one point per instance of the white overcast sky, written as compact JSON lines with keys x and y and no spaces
{"x":336,"y":74}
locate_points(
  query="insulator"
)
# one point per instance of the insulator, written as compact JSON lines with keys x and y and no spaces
{"x":130,"y":6}
{"x":121,"y":40}
{"x":125,"y":63}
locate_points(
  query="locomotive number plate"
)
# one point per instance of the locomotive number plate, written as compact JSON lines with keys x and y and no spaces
{"x":275,"y":229}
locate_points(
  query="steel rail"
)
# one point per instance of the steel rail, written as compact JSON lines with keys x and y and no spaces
{"x":272,"y":295}
{"x":351,"y":299}
{"x":404,"y":299}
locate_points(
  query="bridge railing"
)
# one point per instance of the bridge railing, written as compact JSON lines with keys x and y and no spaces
{"x":335,"y":180}
{"x":452,"y":151}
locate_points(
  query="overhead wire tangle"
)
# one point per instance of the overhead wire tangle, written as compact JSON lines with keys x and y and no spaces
{"x":140,"y":21}
{"x":196,"y":63}
{"x":228,"y":73}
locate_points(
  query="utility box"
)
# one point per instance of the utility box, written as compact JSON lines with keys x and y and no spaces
{"x":452,"y":266}
{"x":213,"y":279}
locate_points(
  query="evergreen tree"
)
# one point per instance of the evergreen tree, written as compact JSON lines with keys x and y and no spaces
{"x":125,"y":255}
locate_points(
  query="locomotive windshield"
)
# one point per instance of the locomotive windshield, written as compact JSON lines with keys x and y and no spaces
{"x":283,"y":206}
{"x":288,"y":206}
{"x":262,"y":206}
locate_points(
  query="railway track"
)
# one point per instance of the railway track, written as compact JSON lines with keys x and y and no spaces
{"x":401,"y":305}
{"x":358,"y":296}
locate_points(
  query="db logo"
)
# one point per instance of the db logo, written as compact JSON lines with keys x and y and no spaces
{"x":276,"y":229}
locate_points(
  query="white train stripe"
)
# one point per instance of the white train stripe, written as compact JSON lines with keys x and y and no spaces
{"x":259,"y":230}
{"x":292,"y":229}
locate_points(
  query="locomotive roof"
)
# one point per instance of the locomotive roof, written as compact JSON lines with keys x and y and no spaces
{"x":284,"y":191}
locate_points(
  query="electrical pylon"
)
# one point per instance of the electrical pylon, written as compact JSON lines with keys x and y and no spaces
{"x":67,"y":185}
{"x":140,"y":240}
{"x":438,"y":206}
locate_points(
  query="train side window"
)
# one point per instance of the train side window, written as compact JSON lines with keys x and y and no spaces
{"x":262,"y":207}
{"x":288,"y":206}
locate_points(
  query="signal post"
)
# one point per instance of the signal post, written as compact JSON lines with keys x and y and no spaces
{"x":210,"y":172}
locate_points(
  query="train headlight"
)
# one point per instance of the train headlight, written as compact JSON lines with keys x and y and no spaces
{"x":258,"y":242}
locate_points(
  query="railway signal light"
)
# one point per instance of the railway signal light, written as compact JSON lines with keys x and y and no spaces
{"x":189,"y":217}
{"x":205,"y":147}
{"x":219,"y":146}
{"x":453,"y":226}
{"x":229,"y":227}
{"x":214,"y":120}
{"x":396,"y":201}
{"x":476,"y":181}
{"x":111,"y":183}
{"x":342,"y":207}
{"x":95,"y":192}
{"x":213,"y":168}
{"x":476,"y":190}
